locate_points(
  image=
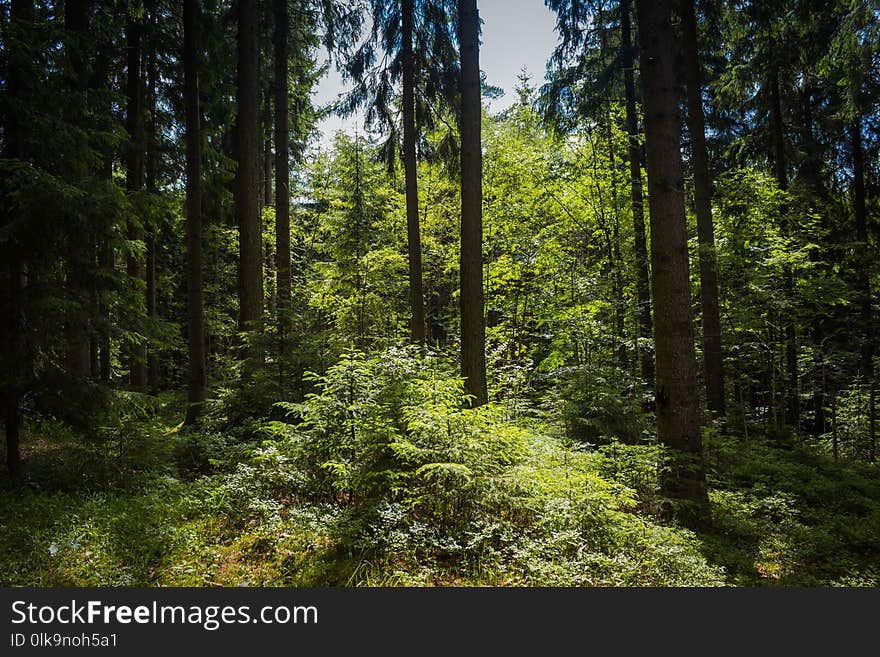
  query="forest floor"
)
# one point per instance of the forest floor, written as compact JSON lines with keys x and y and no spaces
{"x":157,"y":508}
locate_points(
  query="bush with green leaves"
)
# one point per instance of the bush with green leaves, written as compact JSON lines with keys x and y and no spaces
{"x":397,"y":427}
{"x":438,"y":491}
{"x":598,"y":410}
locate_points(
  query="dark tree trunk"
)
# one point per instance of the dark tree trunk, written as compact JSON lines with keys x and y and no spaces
{"x":282,"y":170}
{"x":14,"y":375}
{"x":643,"y":293}
{"x":152,"y":187}
{"x":76,"y":19}
{"x":678,"y":408}
{"x":811,"y":173}
{"x":779,"y":162}
{"x":106,"y":263}
{"x":194,"y":302}
{"x":248,"y":149}
{"x":12,"y":384}
{"x":861,"y":223}
{"x":414,"y":241}
{"x":473,"y":326}
{"x":711,"y":319}
{"x":100,"y":81}
{"x":134,"y":177}
{"x":792,"y":400}
{"x":267,"y":163}
{"x":866,"y":353}
{"x":613,"y":235}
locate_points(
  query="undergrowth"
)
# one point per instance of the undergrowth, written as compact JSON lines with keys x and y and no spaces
{"x":384,"y":476}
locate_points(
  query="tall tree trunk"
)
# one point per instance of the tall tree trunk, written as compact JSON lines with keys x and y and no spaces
{"x":811,"y":173}
{"x":194,"y":303}
{"x":13,"y":324}
{"x":413,"y":237}
{"x":152,"y":188}
{"x":866,"y":352}
{"x":711,"y":319}
{"x":282,"y":176}
{"x":282,"y":171}
{"x":473,"y":325}
{"x":106,"y":262}
{"x":12,"y":384}
{"x":76,"y":19}
{"x":248,"y":148}
{"x":134,"y":177}
{"x":643,"y":293}
{"x":678,"y":408}
{"x":101,"y":81}
{"x":613,"y":235}
{"x":792,"y":400}
{"x":267,"y":162}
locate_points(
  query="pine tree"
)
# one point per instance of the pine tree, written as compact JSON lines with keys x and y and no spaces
{"x":247,"y":140}
{"x":678,"y":411}
{"x":473,"y":325}
{"x":709,"y":308}
{"x":194,"y":303}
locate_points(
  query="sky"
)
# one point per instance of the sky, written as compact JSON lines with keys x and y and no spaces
{"x":516,"y":34}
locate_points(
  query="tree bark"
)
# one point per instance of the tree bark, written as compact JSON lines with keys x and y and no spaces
{"x":473,"y":325}
{"x":152,"y":166}
{"x":413,"y":236}
{"x":197,"y":380}
{"x":792,"y":400}
{"x":12,"y":384}
{"x":134,"y":178}
{"x":76,"y":20}
{"x":282,"y":169}
{"x":100,"y":80}
{"x":678,"y":410}
{"x":267,"y":164}
{"x":711,"y":320}
{"x":866,"y":351}
{"x":643,"y":292}
{"x":248,"y":149}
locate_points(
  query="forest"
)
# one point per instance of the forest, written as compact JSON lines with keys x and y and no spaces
{"x":620,"y":333}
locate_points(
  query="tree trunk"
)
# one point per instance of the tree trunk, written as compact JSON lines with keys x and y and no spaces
{"x":152,"y":188}
{"x":282,"y":170}
{"x":76,"y":19}
{"x":678,"y":409}
{"x":643,"y":293}
{"x":134,"y":178}
{"x":473,"y":326}
{"x":866,"y":352}
{"x":834,"y":446}
{"x":12,"y":383}
{"x":267,"y":162}
{"x":248,"y":149}
{"x":413,"y":237}
{"x":106,"y":262}
{"x":792,"y":400}
{"x":194,"y":303}
{"x":100,"y":80}
{"x":703,"y":205}
{"x":13,"y":344}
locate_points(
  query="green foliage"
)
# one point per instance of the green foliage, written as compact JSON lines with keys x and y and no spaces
{"x":383,"y":477}
{"x":597,"y":409}
{"x":424,"y":480}
{"x":357,"y":267}
{"x":791,"y":518}
{"x":343,"y":458}
{"x":394,"y":426}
